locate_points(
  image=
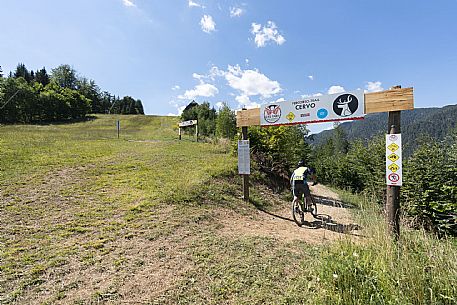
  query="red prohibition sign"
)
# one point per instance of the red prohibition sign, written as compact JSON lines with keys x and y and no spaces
{"x":394,"y":177}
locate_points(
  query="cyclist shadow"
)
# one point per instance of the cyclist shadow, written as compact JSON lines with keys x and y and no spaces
{"x":323,"y":221}
{"x":332,"y":202}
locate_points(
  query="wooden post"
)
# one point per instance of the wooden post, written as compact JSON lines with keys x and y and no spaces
{"x":244,"y":131}
{"x":118,"y":124}
{"x":179,"y":133}
{"x":196,"y":131}
{"x":393,"y":191}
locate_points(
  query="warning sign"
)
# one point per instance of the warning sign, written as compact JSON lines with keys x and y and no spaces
{"x":393,"y":160}
{"x":393,"y":157}
{"x":393,"y":147}
{"x":394,"y":167}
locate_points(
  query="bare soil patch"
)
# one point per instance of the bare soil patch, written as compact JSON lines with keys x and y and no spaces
{"x":278,"y":222}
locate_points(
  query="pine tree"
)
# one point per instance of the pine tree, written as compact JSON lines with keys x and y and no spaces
{"x":42,"y":77}
{"x":21,"y":71}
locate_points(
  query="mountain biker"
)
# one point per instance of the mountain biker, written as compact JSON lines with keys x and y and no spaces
{"x":299,"y":183}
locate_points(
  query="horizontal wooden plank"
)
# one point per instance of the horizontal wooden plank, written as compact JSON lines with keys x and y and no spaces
{"x":389,"y":100}
{"x":384,"y":101}
{"x":249,"y":117}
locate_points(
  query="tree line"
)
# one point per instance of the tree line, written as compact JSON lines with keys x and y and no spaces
{"x":36,"y":96}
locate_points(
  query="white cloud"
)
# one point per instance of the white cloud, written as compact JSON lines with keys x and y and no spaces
{"x":311,"y":95}
{"x":246,"y":61}
{"x":251,"y":82}
{"x":197,"y":76}
{"x":236,"y":12}
{"x":219,"y":105}
{"x":128,"y":3}
{"x":335,"y":89}
{"x":194,"y":4}
{"x":311,"y":77}
{"x":206,"y":90}
{"x":172,"y":114}
{"x":244,"y":101}
{"x":175,"y":87}
{"x":373,"y":87}
{"x":279,"y":100}
{"x":207,"y":23}
{"x":269,"y":32}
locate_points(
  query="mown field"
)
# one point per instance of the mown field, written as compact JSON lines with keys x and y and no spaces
{"x":87,"y":218}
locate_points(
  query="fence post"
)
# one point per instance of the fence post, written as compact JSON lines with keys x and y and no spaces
{"x":244,"y":131}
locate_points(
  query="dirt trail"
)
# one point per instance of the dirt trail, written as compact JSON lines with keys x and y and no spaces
{"x":278,"y":223}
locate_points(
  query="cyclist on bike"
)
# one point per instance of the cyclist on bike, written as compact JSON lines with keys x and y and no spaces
{"x":299,"y":183}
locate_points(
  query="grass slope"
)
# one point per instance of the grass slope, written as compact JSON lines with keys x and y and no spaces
{"x":87,"y":218}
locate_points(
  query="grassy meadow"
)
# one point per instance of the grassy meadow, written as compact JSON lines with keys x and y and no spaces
{"x":87,"y":218}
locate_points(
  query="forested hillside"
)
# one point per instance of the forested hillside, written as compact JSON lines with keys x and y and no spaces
{"x":432,"y":122}
{"x":36,"y":96}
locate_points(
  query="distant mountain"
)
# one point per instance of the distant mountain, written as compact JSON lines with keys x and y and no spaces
{"x":433,"y":122}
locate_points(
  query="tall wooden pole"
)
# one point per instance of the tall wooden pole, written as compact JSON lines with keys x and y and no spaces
{"x":393,"y":191}
{"x":244,"y":131}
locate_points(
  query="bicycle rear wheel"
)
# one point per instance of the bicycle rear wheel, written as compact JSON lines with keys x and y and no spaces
{"x":297,"y":212}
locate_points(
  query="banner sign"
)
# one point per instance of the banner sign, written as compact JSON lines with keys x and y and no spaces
{"x":244,"y":166}
{"x":188,"y":123}
{"x":394,"y":175}
{"x":317,"y":109}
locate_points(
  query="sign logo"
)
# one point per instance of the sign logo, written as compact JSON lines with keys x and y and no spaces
{"x":393,"y":157}
{"x":290,"y":116}
{"x":393,"y":147}
{"x":345,"y":105}
{"x":322,"y":113}
{"x":272,"y":113}
{"x":393,"y":167}
{"x":393,"y":138}
{"x":394,"y":177}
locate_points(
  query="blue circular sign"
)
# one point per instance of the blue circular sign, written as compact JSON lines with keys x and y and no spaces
{"x":322,"y":113}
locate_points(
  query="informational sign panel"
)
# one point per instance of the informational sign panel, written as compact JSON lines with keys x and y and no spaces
{"x":394,"y":174}
{"x":244,"y":166}
{"x":317,"y":109}
{"x":188,"y":123}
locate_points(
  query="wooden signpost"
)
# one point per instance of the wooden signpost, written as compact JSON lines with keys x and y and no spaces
{"x":187,"y":124}
{"x":391,"y":101}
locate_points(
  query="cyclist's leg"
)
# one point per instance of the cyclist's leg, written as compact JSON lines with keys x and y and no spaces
{"x":307,"y":200}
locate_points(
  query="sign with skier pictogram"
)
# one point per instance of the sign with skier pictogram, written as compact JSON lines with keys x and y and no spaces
{"x":393,"y":160}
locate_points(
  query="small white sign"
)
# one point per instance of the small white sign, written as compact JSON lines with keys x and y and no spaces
{"x":394,"y":175}
{"x":188,"y":123}
{"x":325,"y":108}
{"x":244,"y":165}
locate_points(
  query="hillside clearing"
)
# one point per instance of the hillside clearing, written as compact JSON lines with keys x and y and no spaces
{"x":87,"y":218}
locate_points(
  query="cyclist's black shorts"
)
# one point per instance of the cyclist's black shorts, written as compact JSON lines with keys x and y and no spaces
{"x":299,"y":189}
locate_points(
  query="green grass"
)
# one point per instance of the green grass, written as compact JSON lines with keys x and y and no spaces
{"x":89,"y":218}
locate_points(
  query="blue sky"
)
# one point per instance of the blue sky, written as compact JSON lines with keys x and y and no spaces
{"x":242,"y":52}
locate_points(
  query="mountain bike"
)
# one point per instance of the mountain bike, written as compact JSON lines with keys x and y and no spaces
{"x":301,"y":206}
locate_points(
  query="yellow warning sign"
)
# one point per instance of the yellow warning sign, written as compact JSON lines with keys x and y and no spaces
{"x":393,"y":147}
{"x":393,"y":157}
{"x":290,"y":116}
{"x":393,"y":167}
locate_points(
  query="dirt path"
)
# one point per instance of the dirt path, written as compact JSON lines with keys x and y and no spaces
{"x":279,"y":223}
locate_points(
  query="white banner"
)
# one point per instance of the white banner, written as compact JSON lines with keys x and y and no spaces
{"x":394,"y":175}
{"x":324,"y":108}
{"x":244,"y":166}
{"x":188,"y":123}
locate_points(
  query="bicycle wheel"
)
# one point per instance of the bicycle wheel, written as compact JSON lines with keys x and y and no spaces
{"x":297,"y":212}
{"x":312,"y":207}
